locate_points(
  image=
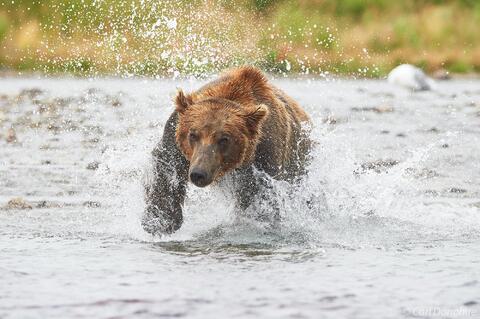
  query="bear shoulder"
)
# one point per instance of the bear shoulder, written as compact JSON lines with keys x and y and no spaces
{"x":245,"y":85}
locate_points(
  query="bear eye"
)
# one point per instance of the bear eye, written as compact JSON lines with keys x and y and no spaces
{"x":192,"y":137}
{"x":223,"y":141}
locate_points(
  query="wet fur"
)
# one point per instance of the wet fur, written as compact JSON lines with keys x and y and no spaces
{"x":269,"y":127}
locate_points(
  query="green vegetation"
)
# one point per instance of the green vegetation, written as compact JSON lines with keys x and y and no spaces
{"x":145,"y":37}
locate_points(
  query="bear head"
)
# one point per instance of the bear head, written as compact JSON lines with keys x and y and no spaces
{"x":216,"y":135}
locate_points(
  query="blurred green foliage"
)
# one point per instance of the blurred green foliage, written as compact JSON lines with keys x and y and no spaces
{"x":4,"y":23}
{"x":356,"y":37}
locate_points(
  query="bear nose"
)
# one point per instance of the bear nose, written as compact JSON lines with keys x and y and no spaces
{"x":198,"y":178}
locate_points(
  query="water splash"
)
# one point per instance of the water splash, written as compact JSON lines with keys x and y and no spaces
{"x":348,"y":203}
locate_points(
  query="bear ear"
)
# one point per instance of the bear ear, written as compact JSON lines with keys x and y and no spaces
{"x":255,"y":118}
{"x":182,"y":101}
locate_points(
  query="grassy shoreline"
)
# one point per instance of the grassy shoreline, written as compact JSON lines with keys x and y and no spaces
{"x":12,"y":74}
{"x":358,"y":38}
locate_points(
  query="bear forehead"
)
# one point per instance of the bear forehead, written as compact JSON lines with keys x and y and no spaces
{"x":213,"y":117}
{"x":210,"y":113}
{"x":215,"y":126}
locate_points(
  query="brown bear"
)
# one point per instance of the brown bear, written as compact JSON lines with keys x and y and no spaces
{"x":238,"y":124}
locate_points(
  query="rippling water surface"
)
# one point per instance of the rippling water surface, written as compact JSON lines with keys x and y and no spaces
{"x":394,"y":231}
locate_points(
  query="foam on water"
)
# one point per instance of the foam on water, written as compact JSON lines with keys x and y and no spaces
{"x":353,"y":206}
{"x":385,"y":225}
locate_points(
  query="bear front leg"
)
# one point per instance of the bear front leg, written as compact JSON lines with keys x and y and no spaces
{"x":257,"y":190}
{"x":166,"y":194}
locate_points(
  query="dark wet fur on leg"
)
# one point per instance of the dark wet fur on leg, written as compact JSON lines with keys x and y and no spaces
{"x":165,"y":196}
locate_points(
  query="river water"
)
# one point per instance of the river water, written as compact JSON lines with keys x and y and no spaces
{"x":394,"y":231}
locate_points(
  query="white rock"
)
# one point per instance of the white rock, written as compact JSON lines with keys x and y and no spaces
{"x":172,"y":24}
{"x":411,"y":77}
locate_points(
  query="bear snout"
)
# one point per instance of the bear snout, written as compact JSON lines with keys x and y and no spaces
{"x":199,"y":178}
